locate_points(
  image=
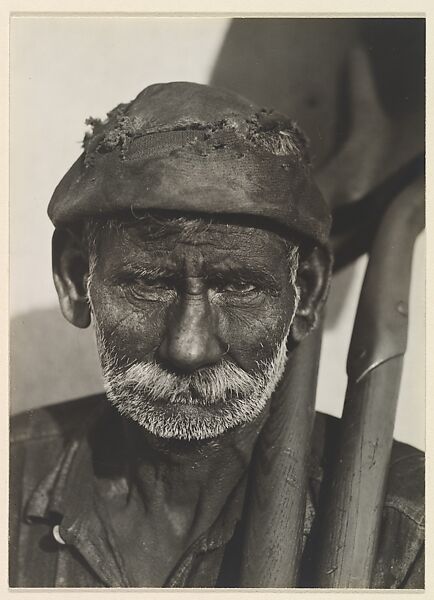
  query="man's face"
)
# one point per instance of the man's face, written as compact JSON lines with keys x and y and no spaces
{"x":192,"y":324}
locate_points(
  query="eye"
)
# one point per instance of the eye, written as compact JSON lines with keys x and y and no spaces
{"x":154,"y":284}
{"x":152,"y":289}
{"x":238,"y":287}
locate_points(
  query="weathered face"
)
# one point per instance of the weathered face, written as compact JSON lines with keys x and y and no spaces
{"x":191,"y":326}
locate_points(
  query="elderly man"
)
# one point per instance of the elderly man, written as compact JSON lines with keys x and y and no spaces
{"x":191,"y":233}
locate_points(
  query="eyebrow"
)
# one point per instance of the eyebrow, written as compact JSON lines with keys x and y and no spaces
{"x":252,"y":273}
{"x":245,"y":273}
{"x":150,"y":271}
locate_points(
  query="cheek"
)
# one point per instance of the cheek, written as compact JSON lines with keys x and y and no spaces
{"x":254,"y":333}
{"x":134,"y":331}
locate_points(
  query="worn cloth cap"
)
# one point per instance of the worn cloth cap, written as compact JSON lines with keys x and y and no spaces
{"x":189,"y":147}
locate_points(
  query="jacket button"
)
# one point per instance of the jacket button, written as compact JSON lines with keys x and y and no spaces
{"x":56,"y":534}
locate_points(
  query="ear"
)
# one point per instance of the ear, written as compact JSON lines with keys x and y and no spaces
{"x":313,"y":280}
{"x":70,"y":274}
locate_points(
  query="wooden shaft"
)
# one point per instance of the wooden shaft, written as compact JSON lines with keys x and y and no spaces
{"x":277,"y":492}
{"x":355,"y":491}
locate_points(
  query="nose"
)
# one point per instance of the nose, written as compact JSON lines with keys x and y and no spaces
{"x":191,"y":340}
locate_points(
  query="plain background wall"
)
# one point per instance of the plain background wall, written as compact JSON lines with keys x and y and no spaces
{"x":65,"y":69}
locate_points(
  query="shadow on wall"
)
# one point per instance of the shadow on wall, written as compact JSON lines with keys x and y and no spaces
{"x":305,"y":68}
{"x":50,"y":360}
{"x":292,"y":65}
{"x":355,"y":86}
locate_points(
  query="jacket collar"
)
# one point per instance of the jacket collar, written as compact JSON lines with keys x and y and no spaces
{"x":67,"y":496}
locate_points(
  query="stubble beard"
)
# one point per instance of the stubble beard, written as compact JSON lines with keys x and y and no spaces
{"x":195,"y":406}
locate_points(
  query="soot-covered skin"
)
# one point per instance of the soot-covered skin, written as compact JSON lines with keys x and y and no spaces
{"x":187,"y":301}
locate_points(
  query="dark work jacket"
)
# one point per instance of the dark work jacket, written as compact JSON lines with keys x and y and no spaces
{"x":60,"y":535}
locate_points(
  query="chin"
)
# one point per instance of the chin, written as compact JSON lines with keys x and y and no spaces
{"x":189,"y":421}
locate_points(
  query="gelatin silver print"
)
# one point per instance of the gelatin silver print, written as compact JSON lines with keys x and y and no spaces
{"x":217,"y":302}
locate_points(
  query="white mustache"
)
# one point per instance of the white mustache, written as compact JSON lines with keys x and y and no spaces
{"x":201,"y":388}
{"x":200,"y":405}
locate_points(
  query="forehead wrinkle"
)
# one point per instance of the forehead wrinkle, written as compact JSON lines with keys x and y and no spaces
{"x":198,"y":262}
{"x":197,"y":265}
{"x":254,"y":249}
{"x":211,"y":251}
{"x":212,"y":235}
{"x":155,"y":261}
{"x":173,"y":242}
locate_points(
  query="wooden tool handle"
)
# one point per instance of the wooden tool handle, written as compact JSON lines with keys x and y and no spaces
{"x":353,"y":505}
{"x":276,"y":497}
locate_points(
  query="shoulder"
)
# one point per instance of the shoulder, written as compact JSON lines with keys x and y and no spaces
{"x":38,"y":439}
{"x":55,"y":421}
{"x":400,"y":558}
{"x":406,"y":482}
{"x":400,"y":555}
{"x":405,"y":490}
